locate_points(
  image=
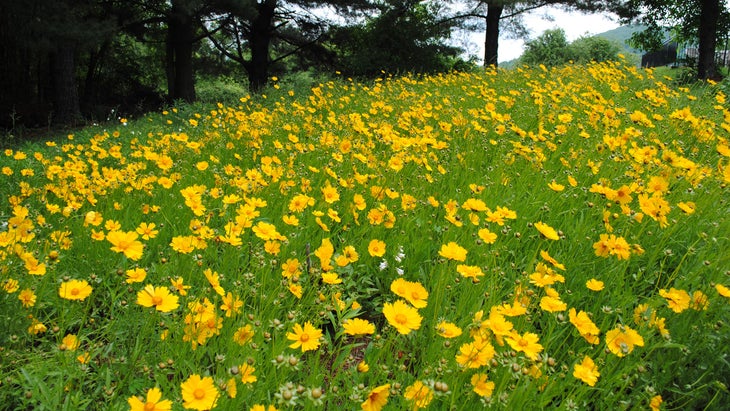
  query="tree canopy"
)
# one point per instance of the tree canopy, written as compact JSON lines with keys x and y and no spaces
{"x":699,"y":22}
{"x":69,"y":61}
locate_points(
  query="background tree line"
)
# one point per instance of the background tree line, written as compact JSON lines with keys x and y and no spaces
{"x":69,"y":60}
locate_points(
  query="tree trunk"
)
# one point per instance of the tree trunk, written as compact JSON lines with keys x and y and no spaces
{"x":491,"y":41}
{"x":66,"y":108}
{"x":180,"y":39}
{"x":258,"y":68}
{"x":709,"y":15}
{"x":90,"y":94}
{"x":170,"y":64}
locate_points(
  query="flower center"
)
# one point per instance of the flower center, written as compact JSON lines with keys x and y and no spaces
{"x":199,"y":393}
{"x":75,"y":291}
{"x":156,"y":300}
{"x":304,"y":337}
{"x":149,"y":406}
{"x":401,"y":318}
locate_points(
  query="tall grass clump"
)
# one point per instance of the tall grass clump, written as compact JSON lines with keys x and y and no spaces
{"x":527,"y":239}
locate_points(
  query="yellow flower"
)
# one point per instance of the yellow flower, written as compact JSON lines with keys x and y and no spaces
{"x":231,"y":388}
{"x":362,"y":366}
{"x":482,"y":387}
{"x":475,"y":354}
{"x":324,"y":253}
{"x":199,"y":393}
{"x":622,"y":340}
{"x":147,"y":231}
{"x":154,"y":402}
{"x":357,"y":326}
{"x":420,"y":394}
{"x":687,"y":208}
{"x":306,"y":338}
{"x":33,"y":266}
{"x":722,"y":290}
{"x":470,"y":271}
{"x":183,"y":244}
{"x":267,"y":231}
{"x":243,"y":334}
{"x":10,"y":285}
{"x":377,"y":398}
{"x":678,"y":300}
{"x":83,"y":358}
{"x":527,"y":343}
{"x":453,"y":251}
{"x":487,"y":236}
{"x":414,"y":292}
{"x":331,"y":278}
{"x":586,"y":371}
{"x":594,"y":285}
{"x":246,"y":372}
{"x":75,"y":290}
{"x":700,"y":301}
{"x":178,"y":283}
{"x":36,"y":327}
{"x":27,"y":297}
{"x":656,"y":403}
{"x":330,"y":194}
{"x":214,"y":281}
{"x":402,"y":316}
{"x":94,"y":218}
{"x":448,"y":330}
{"x":126,"y":242}
{"x":300,"y":202}
{"x":547,"y":231}
{"x":231,"y":304}
{"x":555,"y":186}
{"x":376,"y":248}
{"x":135,"y":275}
{"x":296,"y":289}
{"x":586,"y":327}
{"x":159,"y":297}
{"x":552,"y":304}
{"x":70,"y":342}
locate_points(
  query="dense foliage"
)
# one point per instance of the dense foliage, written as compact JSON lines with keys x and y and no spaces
{"x":528,"y":239}
{"x":553,"y":49}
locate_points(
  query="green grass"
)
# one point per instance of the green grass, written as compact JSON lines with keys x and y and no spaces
{"x":418,"y":163}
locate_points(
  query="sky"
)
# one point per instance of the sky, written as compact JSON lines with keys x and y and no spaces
{"x":574,"y":24}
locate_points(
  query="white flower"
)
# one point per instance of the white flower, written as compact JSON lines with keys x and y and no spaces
{"x":400,"y":256}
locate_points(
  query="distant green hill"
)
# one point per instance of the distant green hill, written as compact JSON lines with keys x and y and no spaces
{"x":621,"y":35}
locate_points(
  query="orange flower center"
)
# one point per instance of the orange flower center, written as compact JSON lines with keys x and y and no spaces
{"x":156,"y":300}
{"x":199,"y":393}
{"x":149,"y":406}
{"x":522,"y":342}
{"x":304,"y":337}
{"x":401,"y":318}
{"x":75,"y":291}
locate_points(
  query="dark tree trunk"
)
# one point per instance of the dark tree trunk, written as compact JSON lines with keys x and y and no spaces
{"x":261,"y":29}
{"x":491,"y":41}
{"x":66,"y":108}
{"x":709,"y":15}
{"x":180,"y":39}
{"x":170,"y":64}
{"x":90,"y":93}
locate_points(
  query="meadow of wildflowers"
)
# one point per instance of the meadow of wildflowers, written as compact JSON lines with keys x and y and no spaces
{"x":526,"y":239}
